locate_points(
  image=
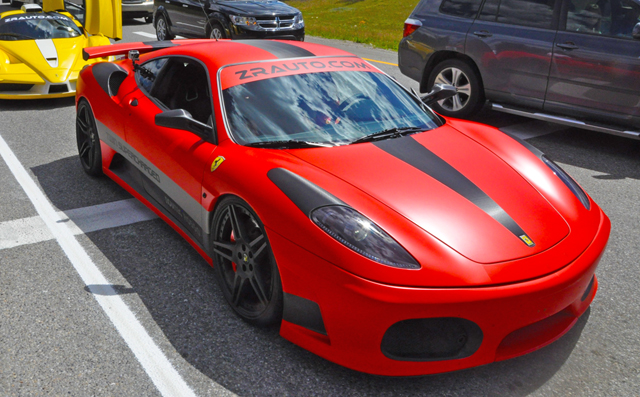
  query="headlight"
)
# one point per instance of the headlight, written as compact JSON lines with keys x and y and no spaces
{"x":244,"y":21}
{"x":361,"y":235}
{"x":567,"y":180}
{"x":298,"y":22}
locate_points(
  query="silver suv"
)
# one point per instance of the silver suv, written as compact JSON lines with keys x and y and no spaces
{"x":575,"y":62}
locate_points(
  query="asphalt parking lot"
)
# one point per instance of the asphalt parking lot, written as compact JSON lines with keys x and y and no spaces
{"x":61,"y":334}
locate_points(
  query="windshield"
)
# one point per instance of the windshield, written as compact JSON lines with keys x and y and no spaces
{"x":34,"y":26}
{"x":327,"y":108}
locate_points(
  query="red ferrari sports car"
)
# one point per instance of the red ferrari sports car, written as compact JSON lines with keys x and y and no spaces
{"x":333,"y":202}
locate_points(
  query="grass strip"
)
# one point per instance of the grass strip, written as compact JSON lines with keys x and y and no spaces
{"x":375,"y":22}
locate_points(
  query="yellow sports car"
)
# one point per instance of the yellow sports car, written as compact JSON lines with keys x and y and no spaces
{"x":41,"y":47}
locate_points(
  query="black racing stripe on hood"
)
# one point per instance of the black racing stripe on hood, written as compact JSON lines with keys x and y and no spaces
{"x":413,"y":153}
{"x":278,"y":49}
{"x":304,"y":194}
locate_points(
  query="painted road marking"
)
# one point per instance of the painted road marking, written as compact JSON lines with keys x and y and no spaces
{"x":33,"y":230}
{"x":155,"y":363}
{"x":151,"y":35}
{"x":386,"y":63}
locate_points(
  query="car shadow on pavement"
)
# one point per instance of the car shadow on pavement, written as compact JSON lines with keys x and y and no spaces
{"x":20,"y":105}
{"x":179,"y":290}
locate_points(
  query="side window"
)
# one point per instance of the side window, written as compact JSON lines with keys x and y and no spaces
{"x":461,"y":8}
{"x":178,"y":83}
{"x":147,"y":73}
{"x":615,"y":18}
{"x":532,"y":13}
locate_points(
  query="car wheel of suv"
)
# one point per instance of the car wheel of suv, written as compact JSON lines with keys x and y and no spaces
{"x":469,"y":98}
{"x":216,"y":31}
{"x":162,"y":29}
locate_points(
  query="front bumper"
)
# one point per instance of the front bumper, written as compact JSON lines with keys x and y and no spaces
{"x":137,"y":9}
{"x":356,"y":313}
{"x":238,"y":33}
{"x":38,"y":91}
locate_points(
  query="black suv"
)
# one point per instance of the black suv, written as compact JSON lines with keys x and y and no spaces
{"x":576,"y":62}
{"x":228,"y":19}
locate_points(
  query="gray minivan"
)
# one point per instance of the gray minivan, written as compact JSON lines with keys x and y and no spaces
{"x":575,"y":62}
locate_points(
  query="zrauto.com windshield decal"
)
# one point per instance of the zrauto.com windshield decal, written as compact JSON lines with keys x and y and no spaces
{"x":245,"y":73}
{"x":38,"y":17}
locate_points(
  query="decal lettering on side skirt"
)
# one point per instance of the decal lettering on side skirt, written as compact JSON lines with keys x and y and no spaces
{"x":413,"y":153}
{"x":187,"y":209}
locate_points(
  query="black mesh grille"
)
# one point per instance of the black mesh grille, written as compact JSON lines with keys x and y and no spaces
{"x":56,"y":89}
{"x":431,"y":339}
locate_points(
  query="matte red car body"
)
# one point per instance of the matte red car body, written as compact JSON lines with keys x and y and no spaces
{"x":521,"y":297}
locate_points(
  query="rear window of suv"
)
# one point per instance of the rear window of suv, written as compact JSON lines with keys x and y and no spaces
{"x":532,"y":13}
{"x":461,"y":8}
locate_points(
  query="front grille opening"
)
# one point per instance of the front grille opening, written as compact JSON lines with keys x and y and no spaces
{"x":5,"y":87}
{"x":431,"y":339}
{"x":58,"y":88}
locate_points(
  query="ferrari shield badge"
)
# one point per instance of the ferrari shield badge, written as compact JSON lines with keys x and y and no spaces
{"x":525,"y":239}
{"x":216,"y":163}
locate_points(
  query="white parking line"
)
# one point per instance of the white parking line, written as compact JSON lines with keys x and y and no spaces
{"x":81,"y":220}
{"x":155,"y":363}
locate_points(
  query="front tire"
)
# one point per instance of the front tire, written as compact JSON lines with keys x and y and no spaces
{"x":88,"y":140}
{"x":245,"y":265}
{"x":470,"y":96}
{"x":163,"y":32}
{"x":216,"y":31}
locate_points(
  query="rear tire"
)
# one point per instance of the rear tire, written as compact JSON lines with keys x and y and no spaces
{"x":88,"y":140}
{"x":163,"y":32}
{"x":470,"y":97}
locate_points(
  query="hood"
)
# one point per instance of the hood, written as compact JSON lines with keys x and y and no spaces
{"x":258,"y":8}
{"x":453,"y":188}
{"x":51,"y":59}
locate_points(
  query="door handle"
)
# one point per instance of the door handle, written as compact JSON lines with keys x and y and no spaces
{"x":133,"y":102}
{"x":482,"y":33}
{"x":185,"y":6}
{"x":568,"y":46}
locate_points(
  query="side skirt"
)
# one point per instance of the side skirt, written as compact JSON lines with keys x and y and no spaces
{"x":132,"y":180}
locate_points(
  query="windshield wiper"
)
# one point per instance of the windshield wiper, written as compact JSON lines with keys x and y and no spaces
{"x":386,"y":134}
{"x":287,"y":144}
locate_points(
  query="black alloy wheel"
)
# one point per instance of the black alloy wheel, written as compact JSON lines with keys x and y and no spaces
{"x":88,"y":140}
{"x":245,"y":265}
{"x":162,"y":28}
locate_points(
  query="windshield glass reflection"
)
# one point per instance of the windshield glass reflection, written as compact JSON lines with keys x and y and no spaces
{"x":326,"y":108}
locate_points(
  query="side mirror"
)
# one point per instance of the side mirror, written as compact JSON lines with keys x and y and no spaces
{"x":182,"y":120}
{"x":438,"y":93}
{"x":636,"y":31}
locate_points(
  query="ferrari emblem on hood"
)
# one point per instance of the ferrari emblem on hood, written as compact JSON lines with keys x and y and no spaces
{"x":527,"y":240}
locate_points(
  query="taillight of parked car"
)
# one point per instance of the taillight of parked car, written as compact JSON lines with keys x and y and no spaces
{"x":410,"y":26}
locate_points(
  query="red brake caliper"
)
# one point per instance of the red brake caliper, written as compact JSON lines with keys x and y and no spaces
{"x":233,"y":240}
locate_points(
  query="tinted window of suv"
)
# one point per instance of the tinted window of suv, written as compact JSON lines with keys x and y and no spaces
{"x":461,"y":8}
{"x":533,"y":13}
{"x":615,"y":18}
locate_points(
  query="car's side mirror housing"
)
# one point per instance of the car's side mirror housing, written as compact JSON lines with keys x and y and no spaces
{"x":182,"y":120}
{"x":438,"y":93}
{"x":636,"y":31}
